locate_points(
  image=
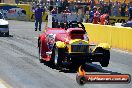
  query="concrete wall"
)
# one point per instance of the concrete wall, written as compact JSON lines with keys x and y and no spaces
{"x":117,"y":37}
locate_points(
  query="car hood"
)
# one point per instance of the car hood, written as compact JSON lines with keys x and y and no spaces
{"x":3,"y":22}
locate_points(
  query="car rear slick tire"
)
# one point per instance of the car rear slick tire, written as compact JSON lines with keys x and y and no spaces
{"x":39,"y":51}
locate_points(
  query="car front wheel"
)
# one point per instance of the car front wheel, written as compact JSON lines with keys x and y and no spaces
{"x":106,"y":57}
{"x":57,"y":57}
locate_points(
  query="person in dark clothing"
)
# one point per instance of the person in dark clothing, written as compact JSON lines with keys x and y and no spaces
{"x":109,"y":7}
{"x":106,"y":8}
{"x":91,"y":15}
{"x":54,"y":11}
{"x":123,"y":8}
{"x":92,"y":3}
{"x":130,"y":11}
{"x":128,"y":23}
{"x":38,"y":17}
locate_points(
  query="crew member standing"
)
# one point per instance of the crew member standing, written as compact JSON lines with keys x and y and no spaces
{"x":96,"y":16}
{"x":91,"y":15}
{"x":130,"y":11}
{"x":38,"y":17}
{"x":104,"y":19}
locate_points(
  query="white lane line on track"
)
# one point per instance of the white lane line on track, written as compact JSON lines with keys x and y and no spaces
{"x":4,"y":84}
{"x":123,"y":52}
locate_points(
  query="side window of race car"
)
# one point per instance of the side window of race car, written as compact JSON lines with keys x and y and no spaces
{"x":50,"y":38}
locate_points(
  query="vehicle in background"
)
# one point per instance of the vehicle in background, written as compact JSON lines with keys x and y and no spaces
{"x":4,"y":26}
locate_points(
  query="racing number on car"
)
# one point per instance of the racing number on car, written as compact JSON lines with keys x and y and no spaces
{"x":50,"y":38}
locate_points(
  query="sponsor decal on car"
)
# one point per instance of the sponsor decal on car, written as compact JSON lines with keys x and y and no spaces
{"x":50,"y":38}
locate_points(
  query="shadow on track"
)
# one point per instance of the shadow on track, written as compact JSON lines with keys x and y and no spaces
{"x":90,"y":67}
{"x":6,"y":36}
{"x":97,"y":68}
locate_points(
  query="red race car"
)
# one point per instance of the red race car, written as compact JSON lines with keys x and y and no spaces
{"x":69,"y":47}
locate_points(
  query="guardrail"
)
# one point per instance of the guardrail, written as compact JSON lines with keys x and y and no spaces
{"x":117,"y":37}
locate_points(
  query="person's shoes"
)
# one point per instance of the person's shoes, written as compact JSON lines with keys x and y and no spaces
{"x":39,"y":29}
{"x":35,"y":29}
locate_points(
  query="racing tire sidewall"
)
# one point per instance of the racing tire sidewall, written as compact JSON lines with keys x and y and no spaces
{"x":106,"y":57}
{"x":56,"y":57}
{"x":39,"y":52}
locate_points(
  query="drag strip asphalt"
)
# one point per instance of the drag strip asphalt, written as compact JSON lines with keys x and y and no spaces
{"x":20,"y":67}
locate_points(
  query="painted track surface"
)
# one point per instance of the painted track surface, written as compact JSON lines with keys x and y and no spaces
{"x":20,"y":67}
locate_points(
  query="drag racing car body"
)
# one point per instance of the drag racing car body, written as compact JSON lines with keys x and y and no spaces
{"x":4,"y":26}
{"x":69,"y":46}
